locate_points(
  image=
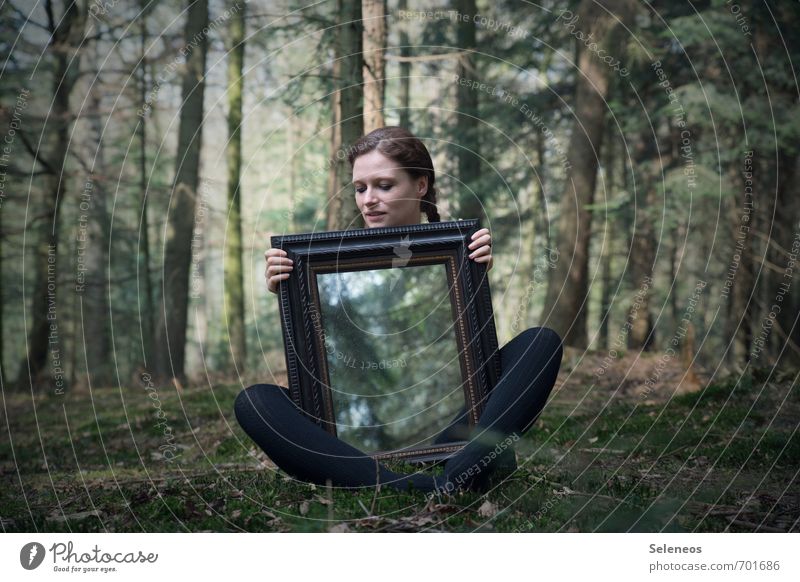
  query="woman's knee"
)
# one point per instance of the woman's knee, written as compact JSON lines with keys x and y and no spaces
{"x":255,"y":398}
{"x":542,"y":337}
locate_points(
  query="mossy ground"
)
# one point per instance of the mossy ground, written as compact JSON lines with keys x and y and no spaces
{"x":724,"y":458}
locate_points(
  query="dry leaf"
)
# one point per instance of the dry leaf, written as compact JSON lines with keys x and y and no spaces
{"x":304,"y":508}
{"x":339,"y":528}
{"x":488,"y":509}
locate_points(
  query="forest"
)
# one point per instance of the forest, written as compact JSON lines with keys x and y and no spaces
{"x":637,"y":163}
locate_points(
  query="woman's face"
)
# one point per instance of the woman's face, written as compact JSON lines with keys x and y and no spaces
{"x":386,"y":194}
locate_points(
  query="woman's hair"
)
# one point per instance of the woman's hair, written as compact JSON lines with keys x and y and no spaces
{"x":402,"y":146}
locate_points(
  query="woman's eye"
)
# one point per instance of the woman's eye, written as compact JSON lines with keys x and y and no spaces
{"x":386,"y":186}
{"x":360,"y":190}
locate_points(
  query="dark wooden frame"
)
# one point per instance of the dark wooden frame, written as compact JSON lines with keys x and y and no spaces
{"x":373,"y":248}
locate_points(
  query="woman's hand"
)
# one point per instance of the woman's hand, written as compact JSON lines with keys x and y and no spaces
{"x":278,"y":267}
{"x":481,"y":247}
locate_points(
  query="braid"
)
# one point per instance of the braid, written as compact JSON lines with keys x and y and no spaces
{"x":428,"y":204}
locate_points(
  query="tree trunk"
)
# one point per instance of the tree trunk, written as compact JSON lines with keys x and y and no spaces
{"x":567,"y":291}
{"x":405,"y":71}
{"x":148,"y":310}
{"x":66,"y":36}
{"x":651,"y":163}
{"x":786,"y":248}
{"x":374,"y":65}
{"x":348,"y":116}
{"x":234,"y":269}
{"x":171,"y":332}
{"x":471,"y":198}
{"x":607,"y":252}
{"x":739,"y":275}
{"x":94,"y":305}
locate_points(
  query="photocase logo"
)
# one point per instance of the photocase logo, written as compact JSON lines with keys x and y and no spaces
{"x":402,"y":255}
{"x":31,"y":555}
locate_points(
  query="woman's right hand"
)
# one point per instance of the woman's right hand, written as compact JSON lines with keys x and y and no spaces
{"x":278,"y":267}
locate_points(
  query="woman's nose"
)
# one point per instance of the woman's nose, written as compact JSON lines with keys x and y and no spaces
{"x":370,"y":195}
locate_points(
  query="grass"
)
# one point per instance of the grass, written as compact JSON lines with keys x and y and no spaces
{"x":722,"y":459}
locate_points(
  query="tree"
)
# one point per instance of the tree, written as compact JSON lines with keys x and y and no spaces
{"x":471,"y":199}
{"x":94,"y":305}
{"x":374,"y":63}
{"x":234,"y":271}
{"x":405,"y":72}
{"x":66,"y":37}
{"x":348,"y":117}
{"x":144,"y":262}
{"x":171,"y":329}
{"x":567,"y":289}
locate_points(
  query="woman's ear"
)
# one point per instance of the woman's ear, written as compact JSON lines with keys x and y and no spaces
{"x":422,"y":185}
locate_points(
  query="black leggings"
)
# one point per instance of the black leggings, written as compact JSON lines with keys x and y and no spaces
{"x":529,"y":366}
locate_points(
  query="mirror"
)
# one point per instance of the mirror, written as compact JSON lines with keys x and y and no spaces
{"x":380,"y":327}
{"x":389,"y":336}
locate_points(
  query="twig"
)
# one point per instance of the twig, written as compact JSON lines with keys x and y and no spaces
{"x":364,"y":507}
{"x":377,"y":490}
{"x":420,"y":58}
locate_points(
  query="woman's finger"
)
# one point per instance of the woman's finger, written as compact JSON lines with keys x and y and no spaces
{"x":484,"y":240}
{"x":276,"y":269}
{"x":484,"y":250}
{"x":279,"y":261}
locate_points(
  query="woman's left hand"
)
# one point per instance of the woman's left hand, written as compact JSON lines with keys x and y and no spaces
{"x":481,"y":247}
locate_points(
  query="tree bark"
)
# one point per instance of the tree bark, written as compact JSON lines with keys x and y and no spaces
{"x":171,"y":332}
{"x":784,"y":282}
{"x":607,"y":252}
{"x":567,"y":291}
{"x":234,"y":268}
{"x":95,"y":312}
{"x":405,"y":71}
{"x":374,"y":64}
{"x":471,"y":199}
{"x":147,"y":311}
{"x":741,"y":214}
{"x":651,"y":163}
{"x":348,"y":114}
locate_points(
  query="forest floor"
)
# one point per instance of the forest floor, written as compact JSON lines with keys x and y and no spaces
{"x":621,"y":451}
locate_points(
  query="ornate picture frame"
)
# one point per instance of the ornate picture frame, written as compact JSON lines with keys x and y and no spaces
{"x":305,"y":312}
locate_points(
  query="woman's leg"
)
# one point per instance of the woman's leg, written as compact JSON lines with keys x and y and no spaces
{"x":529,"y":366}
{"x":305,"y":450}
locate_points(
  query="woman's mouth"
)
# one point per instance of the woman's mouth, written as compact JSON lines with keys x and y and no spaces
{"x":375,"y":215}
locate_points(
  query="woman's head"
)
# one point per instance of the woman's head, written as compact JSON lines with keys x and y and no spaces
{"x":393,"y":178}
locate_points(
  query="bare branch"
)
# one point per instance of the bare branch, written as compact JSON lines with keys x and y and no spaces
{"x":421,"y":58}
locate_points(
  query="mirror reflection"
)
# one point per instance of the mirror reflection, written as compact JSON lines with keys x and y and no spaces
{"x":392,"y":356}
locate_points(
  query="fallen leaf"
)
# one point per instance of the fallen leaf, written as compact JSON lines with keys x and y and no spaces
{"x":488,"y":509}
{"x":339,"y":528}
{"x":304,"y":508}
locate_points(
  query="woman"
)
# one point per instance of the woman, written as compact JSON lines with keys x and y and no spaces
{"x":394,"y":184}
